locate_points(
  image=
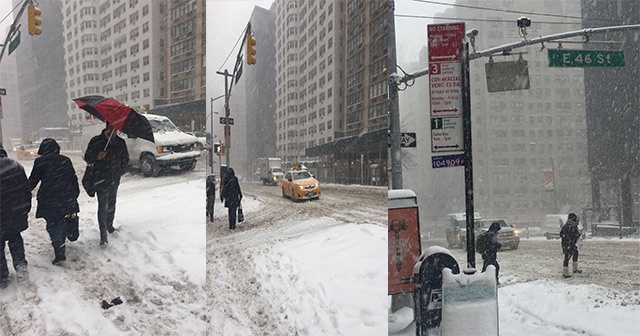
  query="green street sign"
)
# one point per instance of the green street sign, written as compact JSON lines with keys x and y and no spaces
{"x":14,"y":44}
{"x":585,"y":58}
{"x":239,"y":73}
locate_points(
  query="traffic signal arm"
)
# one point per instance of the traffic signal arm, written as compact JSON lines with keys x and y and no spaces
{"x":34,"y":20}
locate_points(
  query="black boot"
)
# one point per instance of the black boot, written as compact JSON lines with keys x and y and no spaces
{"x":60,"y":254}
{"x":103,"y":237}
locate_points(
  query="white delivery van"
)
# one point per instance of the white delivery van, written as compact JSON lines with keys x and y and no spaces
{"x":171,"y":149}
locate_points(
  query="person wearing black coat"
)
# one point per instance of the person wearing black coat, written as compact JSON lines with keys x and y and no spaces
{"x":15,"y":204}
{"x":57,"y":196}
{"x":231,"y":196}
{"x":211,"y":195}
{"x":569,"y":235}
{"x":108,"y":154}
{"x":490,"y":254}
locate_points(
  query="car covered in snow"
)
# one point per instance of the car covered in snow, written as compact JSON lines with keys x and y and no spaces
{"x":300,"y":185}
{"x":202,"y":139}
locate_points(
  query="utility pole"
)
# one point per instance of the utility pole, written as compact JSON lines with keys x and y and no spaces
{"x":227,"y":112}
{"x":394,"y":107}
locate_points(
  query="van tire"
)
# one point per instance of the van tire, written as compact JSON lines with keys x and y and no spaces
{"x":149,"y":166}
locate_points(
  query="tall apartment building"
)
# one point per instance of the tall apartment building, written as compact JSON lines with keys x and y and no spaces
{"x":332,"y":84}
{"x":260,"y":91}
{"x":309,"y":54}
{"x":186,"y":36}
{"x":40,"y":64}
{"x":115,"y":48}
{"x":613,"y":122}
{"x":518,"y":135}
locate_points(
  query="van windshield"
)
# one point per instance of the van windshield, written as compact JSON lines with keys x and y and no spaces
{"x":276,"y":170}
{"x":162,"y":126}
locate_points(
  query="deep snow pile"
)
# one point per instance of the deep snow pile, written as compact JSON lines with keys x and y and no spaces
{"x":154,"y":263}
{"x":306,"y":276}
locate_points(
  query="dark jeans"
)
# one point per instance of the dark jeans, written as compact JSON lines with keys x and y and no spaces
{"x":567,"y":257}
{"x":490,"y":260}
{"x":233,"y":212}
{"x":57,"y":231}
{"x":106,"y":206}
{"x":16,"y":247}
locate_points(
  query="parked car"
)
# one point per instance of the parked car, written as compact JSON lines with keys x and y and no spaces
{"x":300,"y":185}
{"x":507,"y":236}
{"x":27,"y":152}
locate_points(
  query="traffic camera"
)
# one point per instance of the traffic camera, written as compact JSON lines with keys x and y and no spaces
{"x":251,"y":50}
{"x":34,"y":20}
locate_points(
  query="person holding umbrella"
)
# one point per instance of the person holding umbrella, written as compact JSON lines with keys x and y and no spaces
{"x":108,"y":154}
{"x":57,"y":196}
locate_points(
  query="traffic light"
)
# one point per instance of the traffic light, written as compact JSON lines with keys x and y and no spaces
{"x":219,"y":149}
{"x":33,"y":14}
{"x":251,"y":50}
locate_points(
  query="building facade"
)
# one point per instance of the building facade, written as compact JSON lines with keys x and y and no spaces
{"x":40,"y":63}
{"x":260,"y":91}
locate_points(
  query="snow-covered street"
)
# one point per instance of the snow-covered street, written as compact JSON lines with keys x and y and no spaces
{"x":309,"y":268}
{"x":154,"y":263}
{"x":534,"y":299}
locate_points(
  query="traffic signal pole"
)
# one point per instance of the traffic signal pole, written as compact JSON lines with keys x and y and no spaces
{"x":394,"y":105}
{"x":395,"y":80}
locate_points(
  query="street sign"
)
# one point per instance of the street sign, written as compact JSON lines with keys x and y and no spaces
{"x":14,"y":44}
{"x":585,"y":58}
{"x":507,"y":76}
{"x":223,"y":120}
{"x":445,"y":86}
{"x":447,"y":161}
{"x":408,"y":140}
{"x":3,"y":92}
{"x":239,"y":73}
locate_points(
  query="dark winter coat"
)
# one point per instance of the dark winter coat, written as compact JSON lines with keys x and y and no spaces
{"x":15,"y":198}
{"x":59,"y":191}
{"x":211,"y":186}
{"x":569,"y":235}
{"x":108,"y":170}
{"x":493,"y":245}
{"x":231,"y":193}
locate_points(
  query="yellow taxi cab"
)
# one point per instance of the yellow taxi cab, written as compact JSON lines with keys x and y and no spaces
{"x":29,"y":151}
{"x":300,"y":185}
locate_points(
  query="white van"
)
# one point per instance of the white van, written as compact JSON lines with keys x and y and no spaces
{"x":171,"y":149}
{"x":553,"y":224}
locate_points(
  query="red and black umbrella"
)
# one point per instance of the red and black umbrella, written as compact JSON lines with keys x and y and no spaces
{"x":122,"y":117}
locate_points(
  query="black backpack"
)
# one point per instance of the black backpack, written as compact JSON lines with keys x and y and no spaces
{"x":482,"y":241}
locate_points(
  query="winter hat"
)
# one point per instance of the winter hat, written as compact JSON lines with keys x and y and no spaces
{"x":48,"y":145}
{"x":495,"y":226}
{"x":573,"y":217}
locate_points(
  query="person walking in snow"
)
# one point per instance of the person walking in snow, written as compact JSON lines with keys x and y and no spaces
{"x":569,"y":234}
{"x":57,"y":196}
{"x":211,"y":195}
{"x":490,"y":253}
{"x":231,"y":196}
{"x":15,"y":204}
{"x":110,"y":158}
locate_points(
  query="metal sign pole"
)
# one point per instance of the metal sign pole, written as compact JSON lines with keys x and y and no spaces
{"x":468,"y":163}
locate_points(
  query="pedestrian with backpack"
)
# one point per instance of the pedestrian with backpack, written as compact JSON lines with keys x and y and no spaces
{"x":490,"y":248}
{"x":57,"y":196}
{"x":570,"y":234}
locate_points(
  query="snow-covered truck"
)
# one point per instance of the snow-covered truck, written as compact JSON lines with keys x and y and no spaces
{"x":172,"y":148}
{"x":270,"y":170}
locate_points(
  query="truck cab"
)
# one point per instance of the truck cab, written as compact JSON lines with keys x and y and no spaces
{"x":456,"y":227}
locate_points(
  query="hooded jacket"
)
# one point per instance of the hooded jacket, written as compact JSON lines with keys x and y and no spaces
{"x":569,"y":235}
{"x":58,"y":193}
{"x":493,"y":245}
{"x":231,"y":193}
{"x":15,"y":198}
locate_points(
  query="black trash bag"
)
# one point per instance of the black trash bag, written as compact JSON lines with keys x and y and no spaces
{"x":73,"y":230}
{"x":240,"y":214}
{"x":88,"y":181}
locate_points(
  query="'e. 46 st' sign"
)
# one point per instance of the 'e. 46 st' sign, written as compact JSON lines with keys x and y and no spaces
{"x":585,"y":58}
